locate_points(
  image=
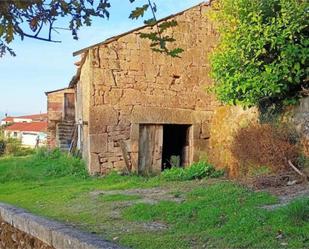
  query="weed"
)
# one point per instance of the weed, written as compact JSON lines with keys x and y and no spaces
{"x":43,"y":164}
{"x":303,"y":161}
{"x":298,"y":211}
{"x":197,"y":170}
{"x":119,"y":197}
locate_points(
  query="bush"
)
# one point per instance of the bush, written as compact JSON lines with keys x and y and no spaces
{"x":2,"y":147}
{"x":266,"y":145}
{"x":197,"y":170}
{"x":13,"y":147}
{"x":262,"y":52}
{"x":60,"y":164}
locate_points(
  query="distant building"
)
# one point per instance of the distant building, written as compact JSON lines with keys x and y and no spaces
{"x":30,"y":129}
{"x":31,"y":134}
{"x":7,"y":120}
{"x":24,"y":119}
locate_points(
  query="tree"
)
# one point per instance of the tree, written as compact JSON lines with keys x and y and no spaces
{"x":262,"y":56}
{"x":36,"y":19}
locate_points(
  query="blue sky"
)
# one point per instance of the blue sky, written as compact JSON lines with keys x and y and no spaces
{"x":41,"y":66}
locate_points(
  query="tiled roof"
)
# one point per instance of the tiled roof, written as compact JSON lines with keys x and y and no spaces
{"x":42,"y":116}
{"x":33,"y":126}
{"x":8,"y":119}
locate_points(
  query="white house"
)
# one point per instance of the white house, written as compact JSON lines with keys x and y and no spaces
{"x":24,"y":119}
{"x":31,"y":134}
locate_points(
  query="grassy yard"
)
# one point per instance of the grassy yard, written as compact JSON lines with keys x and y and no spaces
{"x":152,"y":213}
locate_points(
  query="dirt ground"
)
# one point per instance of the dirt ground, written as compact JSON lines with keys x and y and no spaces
{"x":287,"y":186}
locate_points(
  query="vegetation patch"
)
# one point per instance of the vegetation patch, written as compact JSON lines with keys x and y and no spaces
{"x":227,"y":216}
{"x":44,"y":164}
{"x":219,"y":214}
{"x":298,"y":211}
{"x":262,"y":55}
{"x":119,"y":197}
{"x":265,"y":145}
{"x":197,"y":170}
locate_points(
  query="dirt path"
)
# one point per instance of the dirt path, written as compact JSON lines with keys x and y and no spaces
{"x":286,"y":194}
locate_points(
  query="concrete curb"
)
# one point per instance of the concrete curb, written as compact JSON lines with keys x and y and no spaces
{"x":55,"y":234}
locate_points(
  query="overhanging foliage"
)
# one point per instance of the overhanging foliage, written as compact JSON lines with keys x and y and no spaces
{"x":262,"y":56}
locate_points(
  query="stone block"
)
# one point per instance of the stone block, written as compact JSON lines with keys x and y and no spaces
{"x":113,"y":96}
{"x":107,"y":166}
{"x":205,"y":132}
{"x":131,"y":97}
{"x":100,"y":117}
{"x":120,"y":165}
{"x":94,"y":163}
{"x":158,"y":115}
{"x":98,"y":143}
{"x":103,"y":76}
{"x":68,"y":238}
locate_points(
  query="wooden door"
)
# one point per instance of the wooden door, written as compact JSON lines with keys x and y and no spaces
{"x":69,"y":106}
{"x":150,"y":149}
{"x":188,"y":148}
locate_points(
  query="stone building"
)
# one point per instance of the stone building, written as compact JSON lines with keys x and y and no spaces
{"x":61,"y":117}
{"x":139,"y":110}
{"x":132,"y":109}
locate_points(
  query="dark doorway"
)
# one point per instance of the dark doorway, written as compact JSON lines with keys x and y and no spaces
{"x":176,"y":143}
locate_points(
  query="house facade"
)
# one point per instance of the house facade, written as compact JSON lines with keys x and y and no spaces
{"x":142,"y":111}
{"x":31,"y":134}
{"x":24,"y":119}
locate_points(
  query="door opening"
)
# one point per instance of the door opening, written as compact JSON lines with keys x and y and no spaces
{"x":176,"y":144}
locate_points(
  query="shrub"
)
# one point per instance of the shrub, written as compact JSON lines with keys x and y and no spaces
{"x":266,"y":145}
{"x":13,"y":147}
{"x":197,"y":170}
{"x":60,"y":164}
{"x":2,"y":147}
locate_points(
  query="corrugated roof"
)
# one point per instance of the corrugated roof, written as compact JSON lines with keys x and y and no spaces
{"x":114,"y":38}
{"x":33,"y":126}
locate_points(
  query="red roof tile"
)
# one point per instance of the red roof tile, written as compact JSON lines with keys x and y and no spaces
{"x":34,"y":126}
{"x":34,"y":117}
{"x":8,"y":119}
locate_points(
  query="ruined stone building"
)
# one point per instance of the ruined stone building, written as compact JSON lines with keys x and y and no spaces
{"x":61,"y":117}
{"x":131,"y":109}
{"x":136,"y":109}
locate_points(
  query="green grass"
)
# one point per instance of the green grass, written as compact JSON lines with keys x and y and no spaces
{"x":217,"y":214}
{"x":120,"y":197}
